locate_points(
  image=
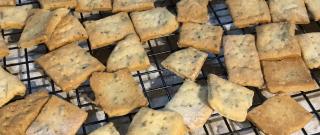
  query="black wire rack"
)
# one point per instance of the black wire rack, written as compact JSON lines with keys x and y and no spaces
{"x":158,"y":84}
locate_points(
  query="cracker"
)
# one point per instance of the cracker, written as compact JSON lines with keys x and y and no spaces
{"x":204,"y":37}
{"x":93,"y":5}
{"x":117,"y":93}
{"x":279,"y":115}
{"x":10,"y":86}
{"x":39,"y":26}
{"x":7,"y":2}
{"x":65,"y":119}
{"x":310,"y":47}
{"x":313,"y":7}
{"x":191,"y":103}
{"x":14,"y":17}
{"x":195,"y":11}
{"x":105,"y":31}
{"x":54,"y":4}
{"x":186,"y":63}
{"x":154,"y":23}
{"x":229,"y":99}
{"x":108,"y":129}
{"x":4,"y":51}
{"x":293,"y":11}
{"x":67,"y":31}
{"x":242,"y":60}
{"x":152,"y":122}
{"x":248,"y":12}
{"x":69,"y":66}
{"x":128,"y":53}
{"x":288,"y":75}
{"x":16,"y":117}
{"x":132,"y":5}
{"x":276,"y":41}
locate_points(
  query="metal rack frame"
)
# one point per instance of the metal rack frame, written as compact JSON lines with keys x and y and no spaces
{"x":218,"y":15}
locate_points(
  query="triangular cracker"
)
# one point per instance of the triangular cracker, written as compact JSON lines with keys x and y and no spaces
{"x":107,"y":129}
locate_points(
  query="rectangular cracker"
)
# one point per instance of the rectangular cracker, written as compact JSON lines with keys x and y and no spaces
{"x":191,"y":103}
{"x":7,"y":3}
{"x":65,"y":119}
{"x":277,"y":41}
{"x":229,"y":99}
{"x":67,"y":31}
{"x":279,"y":115}
{"x":10,"y":86}
{"x":185,"y":63}
{"x":154,"y":23}
{"x":204,"y":37}
{"x":310,"y":47}
{"x":117,"y":93}
{"x":69,"y":66}
{"x":128,"y":53}
{"x":313,"y":7}
{"x":107,"y":129}
{"x":242,"y":60}
{"x":293,"y":11}
{"x":288,"y":75}
{"x":55,"y":4}
{"x":195,"y":11}
{"x":14,"y":17}
{"x":132,"y":5}
{"x":39,"y":26}
{"x":16,"y":117}
{"x":105,"y":31}
{"x":4,"y":51}
{"x":248,"y":12}
{"x":93,"y":5}
{"x":152,"y":122}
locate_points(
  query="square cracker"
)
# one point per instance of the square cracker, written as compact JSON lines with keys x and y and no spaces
{"x":310,"y":47}
{"x":105,"y":31}
{"x":107,"y":129}
{"x":293,"y":11}
{"x":277,"y":41}
{"x":242,"y":60}
{"x":14,"y":17}
{"x":4,"y":51}
{"x":229,"y":99}
{"x":186,"y":63}
{"x":40,"y":25}
{"x":195,"y":11}
{"x":93,"y":5}
{"x":54,"y":4}
{"x":313,"y":7}
{"x":117,"y":93}
{"x":248,"y":12}
{"x":69,"y":66}
{"x":132,"y":5}
{"x":16,"y":117}
{"x":279,"y":115}
{"x":191,"y":103}
{"x":288,"y":75}
{"x":10,"y":86}
{"x":65,"y":119}
{"x":152,"y":122}
{"x":154,"y":23}
{"x":128,"y":53}
{"x":67,"y":31}
{"x":204,"y":37}
{"x":7,"y":2}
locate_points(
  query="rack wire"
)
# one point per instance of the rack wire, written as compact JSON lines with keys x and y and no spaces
{"x":158,"y":84}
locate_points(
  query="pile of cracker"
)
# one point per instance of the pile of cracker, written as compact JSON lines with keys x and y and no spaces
{"x":275,"y":59}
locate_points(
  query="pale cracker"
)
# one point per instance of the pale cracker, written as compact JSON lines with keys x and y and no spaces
{"x":313,"y":7}
{"x":107,"y":129}
{"x":93,"y":5}
{"x":7,"y":3}
{"x":132,"y":5}
{"x":310,"y":47}
{"x":195,"y":11}
{"x":54,"y":4}
{"x":14,"y":17}
{"x":4,"y":51}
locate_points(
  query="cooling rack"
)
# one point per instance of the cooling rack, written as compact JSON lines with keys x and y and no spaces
{"x":158,"y":84}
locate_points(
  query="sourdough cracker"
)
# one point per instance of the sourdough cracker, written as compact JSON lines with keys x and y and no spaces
{"x":313,"y":7}
{"x":16,"y":117}
{"x":93,"y":5}
{"x":4,"y":50}
{"x":107,"y":129}
{"x":186,"y":63}
{"x":310,"y":47}
{"x":132,"y":5}
{"x":242,"y":60}
{"x":7,"y":3}
{"x":54,"y":4}
{"x":229,"y":99}
{"x":204,"y":37}
{"x":195,"y":11}
{"x":154,"y":23}
{"x":14,"y":17}
{"x":279,"y":115}
{"x":69,"y":66}
{"x":117,"y":93}
{"x":152,"y":122}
